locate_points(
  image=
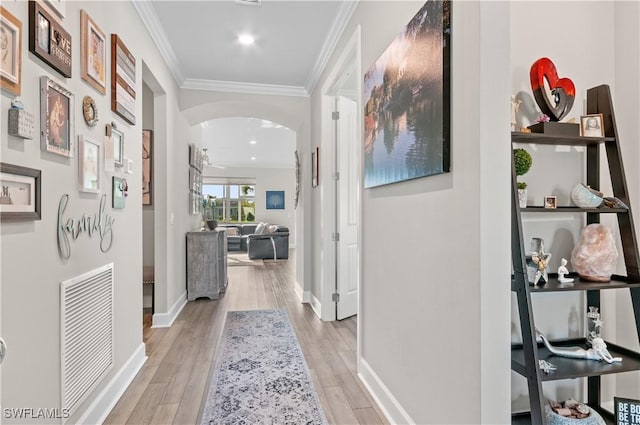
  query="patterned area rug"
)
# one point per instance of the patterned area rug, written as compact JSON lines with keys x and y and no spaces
{"x":260,"y":376}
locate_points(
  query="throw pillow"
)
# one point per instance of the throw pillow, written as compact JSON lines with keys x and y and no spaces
{"x":272,"y":228}
{"x":231,"y":231}
{"x":260,"y":228}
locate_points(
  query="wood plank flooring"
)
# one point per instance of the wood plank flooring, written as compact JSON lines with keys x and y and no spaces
{"x":172,"y":384}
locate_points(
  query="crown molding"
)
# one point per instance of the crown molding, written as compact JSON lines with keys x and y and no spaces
{"x":250,"y":88}
{"x":150,"y":19}
{"x":337,"y":28}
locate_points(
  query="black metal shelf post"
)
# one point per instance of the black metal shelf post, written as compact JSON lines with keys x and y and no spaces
{"x":525,"y":356}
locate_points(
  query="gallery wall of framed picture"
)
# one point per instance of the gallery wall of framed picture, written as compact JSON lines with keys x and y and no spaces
{"x":92,"y":148}
{"x":196,"y":164}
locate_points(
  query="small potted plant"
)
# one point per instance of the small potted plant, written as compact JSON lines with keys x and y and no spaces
{"x":522,"y":161}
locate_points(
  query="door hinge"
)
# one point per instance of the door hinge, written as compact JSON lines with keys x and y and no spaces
{"x":335,"y":116}
{"x":335,"y":297}
{"x":336,"y":176}
{"x":335,"y":237}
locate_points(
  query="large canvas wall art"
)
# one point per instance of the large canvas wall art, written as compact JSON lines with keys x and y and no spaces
{"x":407,"y":101}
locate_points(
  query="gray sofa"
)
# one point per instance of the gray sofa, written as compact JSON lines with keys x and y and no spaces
{"x":269,"y":246}
{"x":258,"y":246}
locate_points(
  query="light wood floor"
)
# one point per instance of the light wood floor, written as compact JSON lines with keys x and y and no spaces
{"x":170,"y":387}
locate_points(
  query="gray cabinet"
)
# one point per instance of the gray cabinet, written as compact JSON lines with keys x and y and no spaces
{"x":206,"y":264}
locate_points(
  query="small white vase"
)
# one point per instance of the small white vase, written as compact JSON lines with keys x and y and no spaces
{"x":522,"y":198}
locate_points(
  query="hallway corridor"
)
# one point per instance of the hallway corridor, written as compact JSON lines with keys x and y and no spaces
{"x":171,"y":385}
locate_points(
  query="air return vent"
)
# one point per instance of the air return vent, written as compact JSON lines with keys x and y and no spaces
{"x":86,"y":319}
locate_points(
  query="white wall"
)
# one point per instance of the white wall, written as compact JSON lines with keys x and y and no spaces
{"x":31,"y":269}
{"x":627,"y":107}
{"x":556,"y":170}
{"x":267,"y":179}
{"x":425,"y":325}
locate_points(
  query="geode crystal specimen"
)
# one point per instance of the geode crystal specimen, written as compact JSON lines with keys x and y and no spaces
{"x":595,"y":256}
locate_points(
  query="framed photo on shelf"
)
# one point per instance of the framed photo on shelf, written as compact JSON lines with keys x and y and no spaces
{"x":118,"y":146}
{"x":88,"y":165}
{"x":123,"y":80}
{"x":315,"y":162}
{"x":19,"y":193}
{"x":10,"y":52}
{"x":56,"y":118}
{"x":591,"y":125}
{"x":48,"y":40}
{"x":550,"y":202}
{"x":93,"y":57}
{"x":147,"y":166}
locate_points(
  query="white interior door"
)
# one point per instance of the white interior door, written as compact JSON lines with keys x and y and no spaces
{"x":348,"y":183}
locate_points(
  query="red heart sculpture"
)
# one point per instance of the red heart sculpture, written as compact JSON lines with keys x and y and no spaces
{"x":562,"y":89}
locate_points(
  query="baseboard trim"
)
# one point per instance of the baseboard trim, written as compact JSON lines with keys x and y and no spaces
{"x":165,"y":320}
{"x":102,"y":405}
{"x":387,"y":403}
{"x":304,"y":296}
{"x":316,"y":306}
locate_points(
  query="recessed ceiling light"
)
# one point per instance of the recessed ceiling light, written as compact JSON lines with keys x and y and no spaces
{"x":246,"y":39}
{"x":253,"y":142}
{"x":253,"y":158}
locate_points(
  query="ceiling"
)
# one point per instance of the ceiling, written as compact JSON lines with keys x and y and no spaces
{"x":293,"y":42}
{"x":228,"y":143}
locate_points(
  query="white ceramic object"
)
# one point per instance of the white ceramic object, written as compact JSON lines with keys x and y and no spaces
{"x":522,"y":198}
{"x":585,"y":197}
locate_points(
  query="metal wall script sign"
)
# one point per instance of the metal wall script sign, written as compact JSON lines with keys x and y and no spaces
{"x":100,"y":223}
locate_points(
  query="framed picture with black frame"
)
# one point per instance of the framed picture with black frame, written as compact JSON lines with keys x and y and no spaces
{"x":20,"y":193}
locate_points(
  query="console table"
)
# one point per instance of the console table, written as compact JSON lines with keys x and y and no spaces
{"x":206,"y":264}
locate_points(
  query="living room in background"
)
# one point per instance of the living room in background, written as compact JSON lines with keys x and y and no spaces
{"x":233,"y":203}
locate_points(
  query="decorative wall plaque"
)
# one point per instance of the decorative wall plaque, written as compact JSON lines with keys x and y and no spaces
{"x":123,"y":80}
{"x":48,"y":40}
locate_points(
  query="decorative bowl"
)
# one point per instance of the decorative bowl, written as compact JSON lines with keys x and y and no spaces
{"x":553,"y":418}
{"x":585,"y":197}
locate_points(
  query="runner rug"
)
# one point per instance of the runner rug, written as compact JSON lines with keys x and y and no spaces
{"x":260,"y":375}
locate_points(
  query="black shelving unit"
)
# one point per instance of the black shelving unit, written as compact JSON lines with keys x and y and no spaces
{"x":525,"y":356}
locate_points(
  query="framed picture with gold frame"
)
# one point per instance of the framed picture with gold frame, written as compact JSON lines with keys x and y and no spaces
{"x":10,"y":51}
{"x":93,"y":60}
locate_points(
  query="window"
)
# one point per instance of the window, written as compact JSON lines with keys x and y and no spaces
{"x":234,"y":203}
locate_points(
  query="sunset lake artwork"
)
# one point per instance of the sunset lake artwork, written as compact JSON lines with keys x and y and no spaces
{"x":406,"y":102}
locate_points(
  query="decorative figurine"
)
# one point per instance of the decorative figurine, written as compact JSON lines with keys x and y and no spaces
{"x":540,"y":259}
{"x":563,"y":271}
{"x":595,"y":324}
{"x":563,"y":91}
{"x":16,"y":103}
{"x":515,"y":105}
{"x":598,"y":350}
